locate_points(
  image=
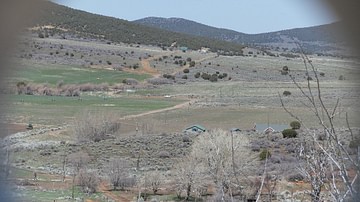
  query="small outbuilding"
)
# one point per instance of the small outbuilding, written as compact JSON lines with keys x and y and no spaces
{"x":235,"y":130}
{"x":270,"y":128}
{"x":195,"y":128}
{"x":183,"y":48}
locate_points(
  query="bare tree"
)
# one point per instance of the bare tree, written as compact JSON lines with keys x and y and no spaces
{"x":95,"y":126}
{"x":154,"y":180}
{"x":88,"y":181}
{"x":270,"y":182}
{"x":314,"y":166}
{"x":328,"y":156}
{"x":78,"y":161}
{"x":188,"y":176}
{"x":118,"y":173}
{"x":214,"y":150}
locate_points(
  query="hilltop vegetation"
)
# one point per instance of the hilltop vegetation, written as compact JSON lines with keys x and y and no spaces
{"x":317,"y":39}
{"x":64,"y":19}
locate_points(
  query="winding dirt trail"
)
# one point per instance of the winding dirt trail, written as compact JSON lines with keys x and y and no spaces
{"x":179,"y":106}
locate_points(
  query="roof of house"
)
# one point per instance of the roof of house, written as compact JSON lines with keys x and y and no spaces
{"x":269,"y":129}
{"x":196,"y":126}
{"x":276,"y":127}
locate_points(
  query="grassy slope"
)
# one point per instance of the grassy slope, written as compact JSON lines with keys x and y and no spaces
{"x":40,"y":73}
{"x":42,"y":110}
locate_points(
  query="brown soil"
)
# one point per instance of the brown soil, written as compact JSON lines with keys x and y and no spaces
{"x":147,"y":68}
{"x":124,"y":197}
{"x":11,"y":128}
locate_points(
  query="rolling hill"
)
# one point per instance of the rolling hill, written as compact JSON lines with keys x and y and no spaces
{"x":64,"y":19}
{"x":314,"y":39}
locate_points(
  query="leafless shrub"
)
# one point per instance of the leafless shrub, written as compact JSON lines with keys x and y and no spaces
{"x":295,"y":177}
{"x":118,"y":172}
{"x":189,"y":177}
{"x":215,"y":151}
{"x":255,"y":148}
{"x":186,"y":138}
{"x":290,"y":148}
{"x":91,"y":126}
{"x":78,"y":161}
{"x":88,"y":181}
{"x":152,"y":180}
{"x":101,"y":87}
{"x":118,"y":86}
{"x":164,"y":154}
{"x":159,"y":81}
{"x":60,"y":84}
{"x":275,"y":159}
{"x":70,"y":90}
{"x":261,"y":143}
{"x":288,"y":159}
{"x":86,"y":87}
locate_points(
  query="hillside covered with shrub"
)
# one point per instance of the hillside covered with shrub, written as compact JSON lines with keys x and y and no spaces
{"x":85,"y":24}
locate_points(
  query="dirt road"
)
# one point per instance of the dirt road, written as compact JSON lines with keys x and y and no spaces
{"x":179,"y":106}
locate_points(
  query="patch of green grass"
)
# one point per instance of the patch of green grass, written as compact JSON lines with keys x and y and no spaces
{"x":21,"y":173}
{"x":58,"y":195}
{"x":39,"y":73}
{"x":43,"y":110}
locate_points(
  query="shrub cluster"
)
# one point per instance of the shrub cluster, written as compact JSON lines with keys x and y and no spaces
{"x":285,"y":70}
{"x":169,"y":76}
{"x":211,"y":77}
{"x":295,"y":125}
{"x":286,"y":93}
{"x":289,"y":133}
{"x":164,"y":154}
{"x":60,"y":90}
